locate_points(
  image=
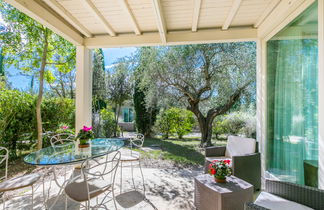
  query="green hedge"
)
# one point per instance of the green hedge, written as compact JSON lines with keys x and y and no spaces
{"x":18,"y":129}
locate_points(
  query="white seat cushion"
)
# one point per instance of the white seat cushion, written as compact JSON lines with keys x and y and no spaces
{"x":211,"y":159}
{"x":270,"y":201}
{"x":237,"y":146}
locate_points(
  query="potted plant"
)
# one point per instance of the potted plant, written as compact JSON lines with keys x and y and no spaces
{"x":220,"y":169}
{"x":84,"y":137}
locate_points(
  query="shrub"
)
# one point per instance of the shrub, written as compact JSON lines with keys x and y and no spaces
{"x":182,"y":121}
{"x":235,"y":123}
{"x":56,"y":111}
{"x":174,"y":121}
{"x":18,"y":118}
{"x":163,"y":124}
{"x":108,"y":119}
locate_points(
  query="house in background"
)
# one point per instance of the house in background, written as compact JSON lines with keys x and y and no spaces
{"x":126,"y":120}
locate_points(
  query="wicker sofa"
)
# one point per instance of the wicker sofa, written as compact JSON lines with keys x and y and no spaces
{"x":244,"y":156}
{"x":307,"y":196}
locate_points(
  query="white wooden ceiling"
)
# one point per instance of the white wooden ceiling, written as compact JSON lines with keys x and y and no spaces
{"x":124,"y":16}
{"x":114,"y":23}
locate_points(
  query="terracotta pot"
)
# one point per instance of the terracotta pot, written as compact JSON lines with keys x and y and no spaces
{"x":220,"y":179}
{"x":84,"y":145}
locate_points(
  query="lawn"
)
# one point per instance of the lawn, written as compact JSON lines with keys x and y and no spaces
{"x":183,"y":152}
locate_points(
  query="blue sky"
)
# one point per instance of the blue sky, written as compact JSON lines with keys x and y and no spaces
{"x":22,"y":82}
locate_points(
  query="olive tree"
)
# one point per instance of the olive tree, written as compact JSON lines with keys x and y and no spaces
{"x":208,"y":79}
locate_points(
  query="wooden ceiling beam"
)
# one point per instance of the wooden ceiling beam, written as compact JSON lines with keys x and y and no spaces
{"x":202,"y":36}
{"x":160,"y":20}
{"x":35,"y":10}
{"x":235,"y":6}
{"x":57,"y":7}
{"x":270,"y":7}
{"x":195,"y":15}
{"x":93,"y":9}
{"x":130,"y":16}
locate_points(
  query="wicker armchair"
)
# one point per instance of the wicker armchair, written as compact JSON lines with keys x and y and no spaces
{"x":246,"y":167}
{"x":308,"y":196}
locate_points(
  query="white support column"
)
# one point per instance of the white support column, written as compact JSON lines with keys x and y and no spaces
{"x":83,"y":91}
{"x":261,"y":101}
{"x":321,"y":93}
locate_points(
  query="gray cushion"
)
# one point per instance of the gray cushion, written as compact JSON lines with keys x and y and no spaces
{"x":77,"y":190}
{"x":19,"y":182}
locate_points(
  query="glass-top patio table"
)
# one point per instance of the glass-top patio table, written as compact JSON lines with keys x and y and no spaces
{"x":67,"y":154}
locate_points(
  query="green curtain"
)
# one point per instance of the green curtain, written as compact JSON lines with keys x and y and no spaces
{"x":294,"y":121}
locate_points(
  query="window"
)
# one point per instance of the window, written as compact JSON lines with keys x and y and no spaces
{"x":292,"y":101}
{"x":128,"y":115}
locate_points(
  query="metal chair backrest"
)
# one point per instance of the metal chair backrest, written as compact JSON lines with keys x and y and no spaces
{"x":61,"y":138}
{"x":93,"y":168}
{"x":4,"y":157}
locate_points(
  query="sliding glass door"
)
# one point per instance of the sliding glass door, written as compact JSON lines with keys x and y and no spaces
{"x":292,"y":101}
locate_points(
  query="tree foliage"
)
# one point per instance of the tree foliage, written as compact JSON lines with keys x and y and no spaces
{"x":98,"y":81}
{"x":64,"y":84}
{"x":207,"y":79}
{"x":119,"y":86}
{"x":145,"y":116}
{"x":33,"y":48}
{"x":175,"y":121}
{"x":241,"y":123}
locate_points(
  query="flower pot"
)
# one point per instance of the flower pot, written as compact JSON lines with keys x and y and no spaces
{"x":84,"y":145}
{"x":220,"y":179}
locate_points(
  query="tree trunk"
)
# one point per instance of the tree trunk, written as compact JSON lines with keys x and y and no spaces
{"x":205,"y":124}
{"x":206,"y":128}
{"x":117,"y":112}
{"x":40,"y":94}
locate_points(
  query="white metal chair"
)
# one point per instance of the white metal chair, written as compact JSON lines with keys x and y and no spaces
{"x":96,"y":178}
{"x":16,"y":182}
{"x":131,"y":157}
{"x":61,"y":138}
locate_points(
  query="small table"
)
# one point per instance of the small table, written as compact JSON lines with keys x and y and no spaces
{"x":231,"y":195}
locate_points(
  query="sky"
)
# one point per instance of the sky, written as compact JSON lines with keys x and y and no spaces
{"x":22,"y":82}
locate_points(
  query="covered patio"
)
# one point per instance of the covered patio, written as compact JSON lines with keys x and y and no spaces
{"x":90,"y":24}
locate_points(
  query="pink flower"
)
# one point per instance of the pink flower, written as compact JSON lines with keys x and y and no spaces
{"x":65,"y":127}
{"x":227,"y":161}
{"x":86,"y":129}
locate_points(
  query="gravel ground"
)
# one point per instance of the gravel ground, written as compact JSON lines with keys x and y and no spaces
{"x":167,"y":187}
